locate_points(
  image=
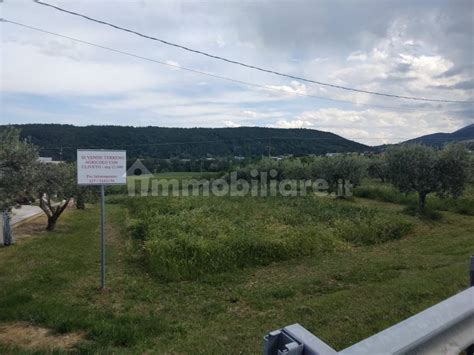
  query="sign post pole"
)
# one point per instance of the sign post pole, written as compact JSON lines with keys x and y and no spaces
{"x":101,"y":168}
{"x":102,"y":237}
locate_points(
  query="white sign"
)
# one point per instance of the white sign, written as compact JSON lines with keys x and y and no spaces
{"x":101,"y":167}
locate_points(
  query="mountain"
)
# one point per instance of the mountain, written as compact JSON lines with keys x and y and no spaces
{"x":465,"y":134}
{"x":61,"y":141}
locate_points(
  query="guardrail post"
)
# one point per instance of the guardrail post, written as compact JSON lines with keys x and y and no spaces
{"x":470,"y":349}
{"x":472,"y":272}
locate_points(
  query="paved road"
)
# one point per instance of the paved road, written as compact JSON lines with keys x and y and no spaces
{"x":27,"y":211}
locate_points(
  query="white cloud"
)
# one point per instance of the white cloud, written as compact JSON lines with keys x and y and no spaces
{"x":231,"y":124}
{"x":174,"y":64}
{"x":357,"y":55}
{"x":250,"y":113}
{"x":26,"y":69}
{"x":292,"y":124}
{"x":372,"y":126}
{"x":400,"y":65}
{"x":295,"y":87}
{"x":220,"y":41}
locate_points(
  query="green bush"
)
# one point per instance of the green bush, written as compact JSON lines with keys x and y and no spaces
{"x":377,"y":230}
{"x":137,"y":228}
{"x":186,"y":258}
{"x":332,"y":169}
{"x":427,"y":213}
{"x":388,"y":193}
{"x":184,"y":238}
{"x":385,"y":194}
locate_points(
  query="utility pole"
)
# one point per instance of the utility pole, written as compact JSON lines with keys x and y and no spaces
{"x":269,"y":146}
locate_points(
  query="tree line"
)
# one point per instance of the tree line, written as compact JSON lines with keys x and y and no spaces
{"x":61,"y":141}
{"x":409,"y":167}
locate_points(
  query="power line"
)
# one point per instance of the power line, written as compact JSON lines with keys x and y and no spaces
{"x":247,"y":65}
{"x":266,"y":87}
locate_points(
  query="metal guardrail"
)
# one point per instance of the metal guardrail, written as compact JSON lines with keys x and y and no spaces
{"x":445,"y":328}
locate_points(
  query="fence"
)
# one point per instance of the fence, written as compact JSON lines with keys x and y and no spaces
{"x":445,"y":328}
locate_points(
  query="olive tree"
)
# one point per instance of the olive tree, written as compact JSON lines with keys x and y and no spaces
{"x":454,"y":170}
{"x":333,"y":169}
{"x":56,"y":187}
{"x":17,"y":163}
{"x":424,"y":170}
{"x":378,"y":168}
{"x":17,"y":160}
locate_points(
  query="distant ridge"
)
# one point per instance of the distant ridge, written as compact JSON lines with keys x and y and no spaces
{"x":165,"y":143}
{"x":465,"y":134}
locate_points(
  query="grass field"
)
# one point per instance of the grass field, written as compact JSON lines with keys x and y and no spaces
{"x":187,"y":237}
{"x":386,"y":192}
{"x":342,"y":294}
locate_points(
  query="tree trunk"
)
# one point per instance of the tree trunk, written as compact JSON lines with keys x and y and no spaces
{"x":51,"y":223}
{"x":80,"y":204}
{"x":421,"y":201}
{"x":53,"y":213}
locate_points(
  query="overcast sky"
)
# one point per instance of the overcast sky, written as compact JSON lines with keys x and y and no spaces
{"x":415,"y":48}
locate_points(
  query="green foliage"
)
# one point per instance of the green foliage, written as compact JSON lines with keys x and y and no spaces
{"x":331,"y":169}
{"x":413,"y":168}
{"x":384,"y":192}
{"x":17,"y":161}
{"x":86,"y":194}
{"x":378,"y":168}
{"x":187,"y":237}
{"x":55,"y":181}
{"x":427,"y":213}
{"x":421,"y":169}
{"x":376,"y":230}
{"x":453,"y":170}
{"x":388,"y":193}
{"x":152,"y":142}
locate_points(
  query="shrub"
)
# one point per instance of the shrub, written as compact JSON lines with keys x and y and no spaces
{"x":385,"y":194}
{"x":377,"y":230}
{"x":463,"y":205}
{"x":186,"y":258}
{"x":184,"y":238}
{"x":427,"y":213}
{"x":332,"y":169}
{"x":137,"y":228}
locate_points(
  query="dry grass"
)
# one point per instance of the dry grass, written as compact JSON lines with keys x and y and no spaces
{"x":27,"y":336}
{"x":33,"y":227}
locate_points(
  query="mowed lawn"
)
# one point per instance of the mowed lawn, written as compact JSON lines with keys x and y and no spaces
{"x":51,"y":280}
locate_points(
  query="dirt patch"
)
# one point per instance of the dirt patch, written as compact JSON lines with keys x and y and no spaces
{"x":31,"y":227}
{"x":24,"y":335}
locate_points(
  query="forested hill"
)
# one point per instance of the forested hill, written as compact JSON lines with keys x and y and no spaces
{"x":160,"y":142}
{"x":465,"y":135}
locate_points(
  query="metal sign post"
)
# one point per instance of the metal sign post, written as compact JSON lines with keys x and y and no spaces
{"x":102,"y":236}
{"x":101,"y":168}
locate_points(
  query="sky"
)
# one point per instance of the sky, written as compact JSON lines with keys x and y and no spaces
{"x":412,"y":48}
